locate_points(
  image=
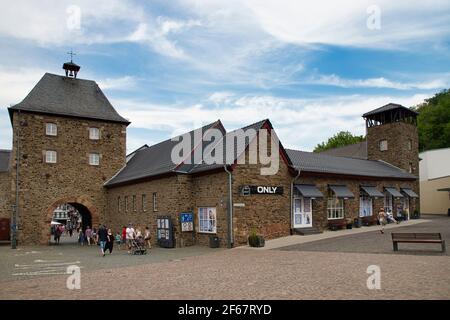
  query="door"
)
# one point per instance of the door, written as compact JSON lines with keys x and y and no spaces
{"x":405,"y":205}
{"x":302,"y":212}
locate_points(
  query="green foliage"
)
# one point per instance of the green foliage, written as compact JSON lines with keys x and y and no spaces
{"x":340,"y":139}
{"x":433,"y":122}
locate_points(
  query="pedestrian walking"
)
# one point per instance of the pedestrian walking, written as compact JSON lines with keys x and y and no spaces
{"x":118,"y":239}
{"x":102,"y":236}
{"x":109,"y":241}
{"x":382,"y":218}
{"x":130,"y":234}
{"x":124,"y":235}
{"x":147,"y":237}
{"x":88,"y":235}
{"x":81,"y":238}
{"x":58,"y":232}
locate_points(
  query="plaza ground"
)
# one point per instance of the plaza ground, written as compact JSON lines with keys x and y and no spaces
{"x":331,"y":266}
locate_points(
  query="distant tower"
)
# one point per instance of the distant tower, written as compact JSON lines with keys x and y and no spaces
{"x":392,"y":136}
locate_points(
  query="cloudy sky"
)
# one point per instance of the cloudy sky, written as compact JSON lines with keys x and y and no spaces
{"x":312,"y":67}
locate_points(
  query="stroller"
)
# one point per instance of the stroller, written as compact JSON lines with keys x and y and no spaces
{"x":138,"y":246}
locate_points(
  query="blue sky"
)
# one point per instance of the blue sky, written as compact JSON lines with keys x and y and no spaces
{"x":170,"y":66}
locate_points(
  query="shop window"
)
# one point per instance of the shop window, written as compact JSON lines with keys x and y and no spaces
{"x":94,"y":159}
{"x":207,"y":220}
{"x":365,"y":206}
{"x":144,"y":202}
{"x":50,"y":156}
{"x":335,"y":208}
{"x":383,"y":145}
{"x":51,"y":129}
{"x":94,"y":133}
{"x":155,"y":204}
{"x":388,"y":203}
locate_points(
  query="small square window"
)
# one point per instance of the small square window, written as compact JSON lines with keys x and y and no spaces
{"x":94,"y":159}
{"x":51,"y":129}
{"x":50,"y":156}
{"x":144,"y":202}
{"x":409,"y":144}
{"x":383,"y":145}
{"x":94,"y":133}
{"x":155,"y":208}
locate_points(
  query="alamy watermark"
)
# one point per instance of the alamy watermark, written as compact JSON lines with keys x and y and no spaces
{"x":373,"y":21}
{"x":73,"y":21}
{"x":374,"y":280}
{"x":73,"y":281}
{"x":214,"y":147}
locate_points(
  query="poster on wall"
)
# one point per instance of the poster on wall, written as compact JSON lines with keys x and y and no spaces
{"x":187,"y":222}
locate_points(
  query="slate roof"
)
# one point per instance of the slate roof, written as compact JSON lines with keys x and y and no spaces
{"x":5,"y":156}
{"x":357,"y":150}
{"x":324,"y":163}
{"x":387,"y":107}
{"x":154,"y":160}
{"x":60,"y":95}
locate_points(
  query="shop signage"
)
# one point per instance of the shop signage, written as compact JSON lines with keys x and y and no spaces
{"x":248,"y":190}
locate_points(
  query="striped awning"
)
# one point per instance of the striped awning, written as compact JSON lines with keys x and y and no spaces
{"x":341,"y":191}
{"x":372,"y":191}
{"x":394,"y":192}
{"x":410,"y":193}
{"x":309,"y":190}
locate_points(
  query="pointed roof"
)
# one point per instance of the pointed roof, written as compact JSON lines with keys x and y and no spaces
{"x":357,"y":151}
{"x":388,"y":107}
{"x":64,"y":96}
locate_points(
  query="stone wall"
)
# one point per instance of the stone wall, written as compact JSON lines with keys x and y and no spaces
{"x":5,"y":195}
{"x":43,"y":185}
{"x":351,"y":206}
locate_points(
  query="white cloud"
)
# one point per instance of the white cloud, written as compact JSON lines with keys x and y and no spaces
{"x":121,"y":83}
{"x":443,"y":81}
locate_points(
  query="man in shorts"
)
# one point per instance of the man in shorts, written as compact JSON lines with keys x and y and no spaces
{"x":130,"y":236}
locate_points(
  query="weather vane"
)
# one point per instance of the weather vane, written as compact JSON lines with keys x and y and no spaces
{"x":71,"y":55}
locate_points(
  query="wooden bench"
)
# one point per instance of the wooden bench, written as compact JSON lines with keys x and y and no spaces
{"x":417,"y":238}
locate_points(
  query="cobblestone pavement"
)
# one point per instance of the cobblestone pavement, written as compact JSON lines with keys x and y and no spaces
{"x":375,"y":242}
{"x":248,"y":274}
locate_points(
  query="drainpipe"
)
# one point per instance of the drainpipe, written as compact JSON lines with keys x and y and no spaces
{"x":230,"y":208}
{"x":16,"y":209}
{"x":292,"y":199}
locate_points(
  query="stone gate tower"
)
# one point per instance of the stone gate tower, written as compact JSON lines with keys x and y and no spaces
{"x":392,"y":136}
{"x":67,"y":141}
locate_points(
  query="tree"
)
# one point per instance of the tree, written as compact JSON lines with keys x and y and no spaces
{"x":340,"y":139}
{"x":433,"y":122}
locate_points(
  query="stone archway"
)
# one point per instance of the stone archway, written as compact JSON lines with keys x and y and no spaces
{"x":81,"y":203}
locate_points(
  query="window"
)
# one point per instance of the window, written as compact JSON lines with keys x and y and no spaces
{"x":383,"y":145}
{"x":126,"y":203}
{"x":118,"y":204}
{"x":409,"y":144}
{"x":94,"y":159}
{"x":134,"y":203}
{"x":50,"y":156}
{"x":388,"y":202}
{"x":144,"y":202}
{"x":155,"y":208}
{"x":51,"y":129}
{"x":411,"y":169}
{"x":207,"y":220}
{"x":335,"y":208}
{"x":365,"y":206}
{"x":94,"y":133}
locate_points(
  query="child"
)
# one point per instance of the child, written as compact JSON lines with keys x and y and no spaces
{"x":81,"y":238}
{"x":118,"y":239}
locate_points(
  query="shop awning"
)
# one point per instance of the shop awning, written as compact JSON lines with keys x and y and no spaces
{"x":309,"y":190}
{"x":372,"y":191}
{"x":342,"y":191}
{"x":410,"y":193}
{"x":394,"y":192}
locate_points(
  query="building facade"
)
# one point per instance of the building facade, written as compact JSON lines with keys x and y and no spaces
{"x":70,"y":146}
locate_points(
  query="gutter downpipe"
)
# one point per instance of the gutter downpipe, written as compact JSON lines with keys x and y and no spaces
{"x":16,"y":209}
{"x":292,"y":199}
{"x":230,"y":241}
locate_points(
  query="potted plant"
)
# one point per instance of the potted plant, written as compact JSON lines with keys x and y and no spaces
{"x":255,"y":240}
{"x":349,"y":223}
{"x":358,"y":222}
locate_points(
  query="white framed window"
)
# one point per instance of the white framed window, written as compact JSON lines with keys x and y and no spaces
{"x":94,"y":159}
{"x":155,"y":202}
{"x":144,"y":202}
{"x":51,"y":129}
{"x":50,"y":156}
{"x":411,"y":169}
{"x":94,"y":133}
{"x":207,"y":220}
{"x":335,"y":208}
{"x":302,"y":212}
{"x":383,"y":145}
{"x":409,"y":144}
{"x":388,"y":203}
{"x":134,"y":203}
{"x":126,"y":203}
{"x":365,"y":206}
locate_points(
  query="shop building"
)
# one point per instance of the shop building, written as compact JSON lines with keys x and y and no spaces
{"x":69,"y":147}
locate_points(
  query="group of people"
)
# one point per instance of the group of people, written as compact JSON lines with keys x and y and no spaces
{"x":384,"y":218}
{"x":129,"y":234}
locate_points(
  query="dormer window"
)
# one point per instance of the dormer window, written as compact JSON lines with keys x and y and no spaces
{"x":383,"y":145}
{"x":51,"y":129}
{"x":94,"y":133}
